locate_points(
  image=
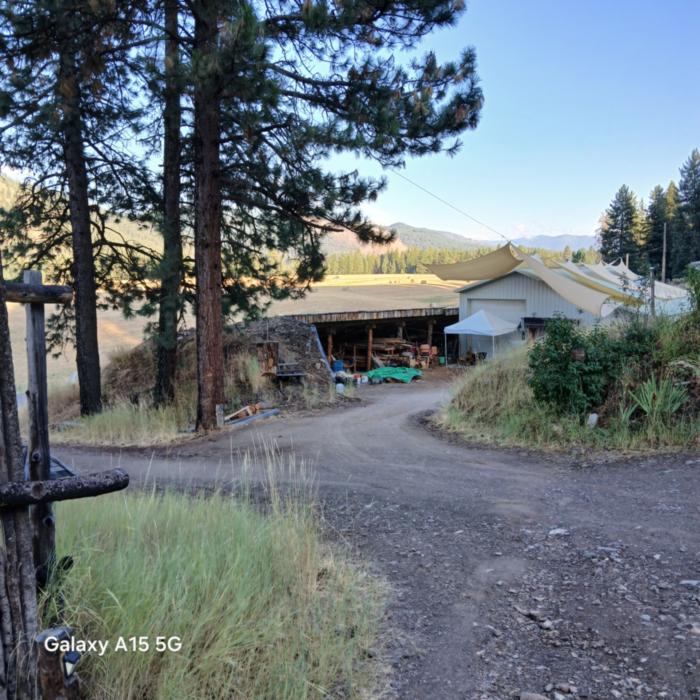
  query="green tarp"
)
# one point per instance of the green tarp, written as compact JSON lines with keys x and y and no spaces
{"x":397,"y":374}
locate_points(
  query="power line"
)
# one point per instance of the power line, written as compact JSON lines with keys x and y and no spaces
{"x":449,"y":204}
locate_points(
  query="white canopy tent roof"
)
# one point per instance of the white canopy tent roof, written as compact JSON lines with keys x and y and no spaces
{"x":480,"y":323}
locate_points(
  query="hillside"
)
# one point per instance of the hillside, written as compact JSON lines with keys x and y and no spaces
{"x":415,"y":237}
{"x":9,"y":189}
{"x":408,"y":236}
{"x":345,"y":241}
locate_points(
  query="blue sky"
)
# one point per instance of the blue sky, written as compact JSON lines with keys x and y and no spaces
{"x":581,"y":97}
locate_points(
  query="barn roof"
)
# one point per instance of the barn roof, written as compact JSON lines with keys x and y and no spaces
{"x":598,"y":289}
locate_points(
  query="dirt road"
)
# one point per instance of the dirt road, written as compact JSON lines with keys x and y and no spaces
{"x":511,"y":574}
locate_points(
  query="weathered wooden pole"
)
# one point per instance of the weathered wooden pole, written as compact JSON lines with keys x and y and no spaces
{"x":370,"y":333}
{"x":23,"y":293}
{"x":16,"y":494}
{"x":18,"y":607}
{"x":42,"y":515}
{"x":329,"y":345}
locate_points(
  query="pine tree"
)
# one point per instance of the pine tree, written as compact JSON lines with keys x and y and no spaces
{"x":660,"y":216}
{"x":277,"y":90}
{"x":686,"y":240}
{"x":171,"y":271}
{"x":65,"y":100}
{"x":622,"y":229}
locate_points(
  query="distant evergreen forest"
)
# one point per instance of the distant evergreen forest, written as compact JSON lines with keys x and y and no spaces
{"x":415,"y":260}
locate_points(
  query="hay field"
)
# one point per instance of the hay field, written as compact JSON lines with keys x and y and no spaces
{"x":341,"y":294}
{"x":402,"y":278}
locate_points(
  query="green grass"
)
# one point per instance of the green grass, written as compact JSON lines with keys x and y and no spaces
{"x":264,"y":608}
{"x":493,"y":404}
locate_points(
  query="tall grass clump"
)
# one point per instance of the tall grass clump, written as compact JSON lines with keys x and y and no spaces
{"x":492,"y":390}
{"x":129,"y":424}
{"x":263,"y":607}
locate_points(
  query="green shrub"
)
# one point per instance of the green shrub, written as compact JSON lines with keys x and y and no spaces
{"x":570,"y":369}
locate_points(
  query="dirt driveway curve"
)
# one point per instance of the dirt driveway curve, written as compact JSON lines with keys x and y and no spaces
{"x":512,"y":574}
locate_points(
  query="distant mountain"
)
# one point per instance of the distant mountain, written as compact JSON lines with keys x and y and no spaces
{"x":557,"y":242}
{"x":415,"y":237}
{"x":408,"y":236}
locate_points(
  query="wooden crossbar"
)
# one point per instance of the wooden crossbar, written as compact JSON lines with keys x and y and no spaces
{"x":23,"y":293}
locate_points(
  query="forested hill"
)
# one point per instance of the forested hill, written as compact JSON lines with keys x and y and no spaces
{"x":416,"y":237}
{"x":408,"y":236}
{"x":9,"y":189}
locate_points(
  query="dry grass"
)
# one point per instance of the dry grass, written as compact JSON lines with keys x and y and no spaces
{"x":491,"y":389}
{"x":125,"y":424}
{"x":402,"y":278}
{"x":130,"y":419}
{"x":263,"y":607}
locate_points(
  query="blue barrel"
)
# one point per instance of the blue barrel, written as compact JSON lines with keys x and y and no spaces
{"x":337,"y":365}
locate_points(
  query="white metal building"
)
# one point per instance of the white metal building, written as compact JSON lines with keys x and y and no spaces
{"x":520,"y":288}
{"x":516,"y":296}
{"x":520,"y":297}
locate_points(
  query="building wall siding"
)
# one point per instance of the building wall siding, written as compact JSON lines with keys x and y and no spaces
{"x":540,"y":300}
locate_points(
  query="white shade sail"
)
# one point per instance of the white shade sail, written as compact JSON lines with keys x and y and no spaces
{"x":481,"y":323}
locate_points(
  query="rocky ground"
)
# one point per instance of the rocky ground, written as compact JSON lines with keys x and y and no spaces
{"x":512,"y":576}
{"x":548,"y":612}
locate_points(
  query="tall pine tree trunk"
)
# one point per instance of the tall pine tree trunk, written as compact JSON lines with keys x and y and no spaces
{"x":172,"y":238}
{"x":88,"y":358}
{"x":210,"y":354}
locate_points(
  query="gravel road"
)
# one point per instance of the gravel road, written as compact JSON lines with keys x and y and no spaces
{"x":513,"y":576}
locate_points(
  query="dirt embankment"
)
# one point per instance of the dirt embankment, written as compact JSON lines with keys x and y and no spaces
{"x":131,"y":374}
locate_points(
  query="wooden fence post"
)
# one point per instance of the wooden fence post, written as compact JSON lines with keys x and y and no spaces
{"x":18,"y":607}
{"x":43,"y":520}
{"x":370,"y":333}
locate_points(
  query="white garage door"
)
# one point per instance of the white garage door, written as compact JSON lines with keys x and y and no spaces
{"x":508,"y":309}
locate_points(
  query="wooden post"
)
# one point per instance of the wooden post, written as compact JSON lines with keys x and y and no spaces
{"x":430,"y":333}
{"x":370,"y":333}
{"x":18,"y":606}
{"x":53,"y":682}
{"x":329,"y":346}
{"x":43,"y":520}
{"x":663,"y":257}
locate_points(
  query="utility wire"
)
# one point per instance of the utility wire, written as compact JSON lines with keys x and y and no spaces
{"x":449,"y":204}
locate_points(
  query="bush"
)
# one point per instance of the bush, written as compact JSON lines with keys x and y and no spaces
{"x":571,"y":370}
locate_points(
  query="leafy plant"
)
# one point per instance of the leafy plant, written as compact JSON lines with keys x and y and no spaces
{"x":570,"y":369}
{"x":659,"y":399}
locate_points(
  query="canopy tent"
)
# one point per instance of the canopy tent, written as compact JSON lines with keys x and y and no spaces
{"x":507,"y":258}
{"x":598,"y":289}
{"x":480,"y":323}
